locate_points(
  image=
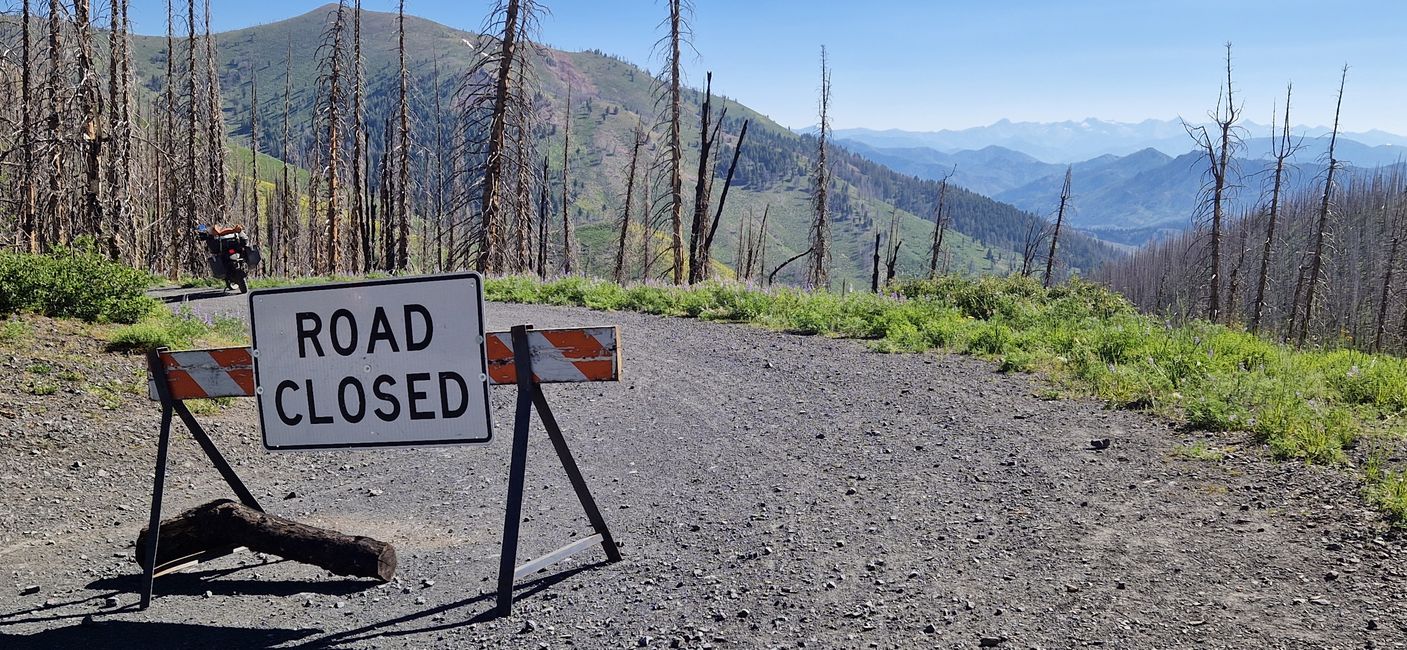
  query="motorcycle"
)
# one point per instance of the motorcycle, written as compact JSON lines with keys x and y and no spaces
{"x":231,"y":255}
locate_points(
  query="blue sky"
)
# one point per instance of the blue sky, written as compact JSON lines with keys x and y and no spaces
{"x":929,"y":65}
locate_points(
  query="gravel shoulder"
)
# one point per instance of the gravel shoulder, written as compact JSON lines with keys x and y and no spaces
{"x":768,"y":490}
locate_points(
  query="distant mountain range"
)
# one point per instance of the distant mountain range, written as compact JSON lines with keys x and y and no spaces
{"x":1070,"y":141}
{"x":1127,"y":199}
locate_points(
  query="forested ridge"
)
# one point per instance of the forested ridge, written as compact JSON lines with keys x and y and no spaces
{"x":170,"y":155}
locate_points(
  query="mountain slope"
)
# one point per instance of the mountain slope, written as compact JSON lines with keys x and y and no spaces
{"x":610,"y":97}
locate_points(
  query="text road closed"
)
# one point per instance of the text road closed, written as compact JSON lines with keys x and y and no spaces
{"x":393,"y":362}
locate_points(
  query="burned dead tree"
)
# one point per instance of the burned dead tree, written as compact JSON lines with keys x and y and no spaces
{"x":1055,"y":234}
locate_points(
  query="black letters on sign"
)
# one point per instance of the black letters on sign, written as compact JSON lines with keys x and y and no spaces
{"x":313,"y":416}
{"x":381,"y":331}
{"x":412,"y":345}
{"x":414,"y":396}
{"x":278,"y":402}
{"x":335,"y":330}
{"x":446,"y":411}
{"x":309,"y":324}
{"x":381,"y":394}
{"x":342,"y":400}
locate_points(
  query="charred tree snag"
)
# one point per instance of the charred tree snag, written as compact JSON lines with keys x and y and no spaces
{"x":224,"y":523}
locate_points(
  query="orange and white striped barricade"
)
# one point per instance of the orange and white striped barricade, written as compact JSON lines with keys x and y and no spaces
{"x":523,"y":356}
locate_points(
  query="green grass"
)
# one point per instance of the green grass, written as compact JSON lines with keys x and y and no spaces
{"x":164,"y":329}
{"x":13,"y":331}
{"x":1309,"y":405}
{"x":1199,"y":451}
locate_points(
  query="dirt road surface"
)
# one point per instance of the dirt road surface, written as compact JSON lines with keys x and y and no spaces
{"x":768,"y":491}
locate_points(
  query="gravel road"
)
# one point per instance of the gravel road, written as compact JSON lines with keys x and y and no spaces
{"x":768,"y":490}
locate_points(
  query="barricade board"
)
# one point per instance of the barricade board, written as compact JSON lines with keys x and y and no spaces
{"x":397,"y":362}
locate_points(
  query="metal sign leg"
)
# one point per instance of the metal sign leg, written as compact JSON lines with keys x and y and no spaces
{"x":213,"y":453}
{"x":583,"y":494}
{"x":158,"y":486}
{"x":513,"y":514}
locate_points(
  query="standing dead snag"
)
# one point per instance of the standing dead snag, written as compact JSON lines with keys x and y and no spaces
{"x":1220,"y":155}
{"x":333,"y":79}
{"x":638,"y":141}
{"x":215,"y":127}
{"x":1394,"y":225}
{"x":568,"y":253}
{"x":674,"y":146}
{"x":703,"y":181}
{"x":706,"y":252}
{"x":940,"y":225}
{"x":91,"y":131}
{"x":1316,"y":267}
{"x":818,"y":274}
{"x":1282,"y":149}
{"x":401,"y":258}
{"x":1059,"y":221}
{"x":492,"y":246}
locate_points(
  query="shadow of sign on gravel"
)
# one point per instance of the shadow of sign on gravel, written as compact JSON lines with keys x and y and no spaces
{"x":120,"y":635}
{"x":197,"y":583}
{"x":368,"y":633}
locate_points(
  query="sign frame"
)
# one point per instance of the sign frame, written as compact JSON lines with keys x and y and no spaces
{"x":479,"y":340}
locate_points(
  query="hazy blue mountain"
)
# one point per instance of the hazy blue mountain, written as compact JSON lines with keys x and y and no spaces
{"x":1126,"y":199}
{"x":1070,"y":141}
{"x":988,"y":171}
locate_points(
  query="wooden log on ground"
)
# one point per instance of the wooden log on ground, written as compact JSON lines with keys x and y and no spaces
{"x":224,"y":523}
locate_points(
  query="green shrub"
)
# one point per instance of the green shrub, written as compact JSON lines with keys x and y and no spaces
{"x":160,"y":330}
{"x":76,"y":283}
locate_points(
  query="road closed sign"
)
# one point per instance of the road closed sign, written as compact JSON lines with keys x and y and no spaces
{"x":372,"y":364}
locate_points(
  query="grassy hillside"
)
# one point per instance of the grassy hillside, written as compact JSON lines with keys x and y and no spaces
{"x":610,"y":97}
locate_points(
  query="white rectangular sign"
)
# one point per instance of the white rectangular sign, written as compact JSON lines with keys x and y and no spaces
{"x":372,"y":364}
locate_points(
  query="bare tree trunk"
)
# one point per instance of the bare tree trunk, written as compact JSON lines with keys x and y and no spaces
{"x":402,"y":258}
{"x":568,"y":254}
{"x":675,"y":145}
{"x":702,"y":181}
{"x":1394,"y":225}
{"x":542,"y":210}
{"x":874,"y":266}
{"x":706,"y":252}
{"x":491,"y":244}
{"x":88,"y":111}
{"x":1283,"y":149}
{"x":254,"y":154}
{"x":762,"y":240}
{"x":638,"y":141}
{"x":29,"y":222}
{"x":284,"y":239}
{"x":891,"y":261}
{"x":57,"y":210}
{"x":1317,"y":262}
{"x":361,"y":226}
{"x":818,"y":276}
{"x":1055,"y":234}
{"x":939,"y":225}
{"x":215,"y":134}
{"x":194,"y":208}
{"x":334,"y":116}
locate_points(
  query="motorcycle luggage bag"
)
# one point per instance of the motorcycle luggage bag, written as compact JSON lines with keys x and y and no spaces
{"x":217,"y":265}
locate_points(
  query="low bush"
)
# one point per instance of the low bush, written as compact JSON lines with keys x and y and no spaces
{"x":74,"y":282}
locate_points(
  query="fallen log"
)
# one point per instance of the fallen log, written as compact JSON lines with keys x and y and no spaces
{"x":224,"y":524}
